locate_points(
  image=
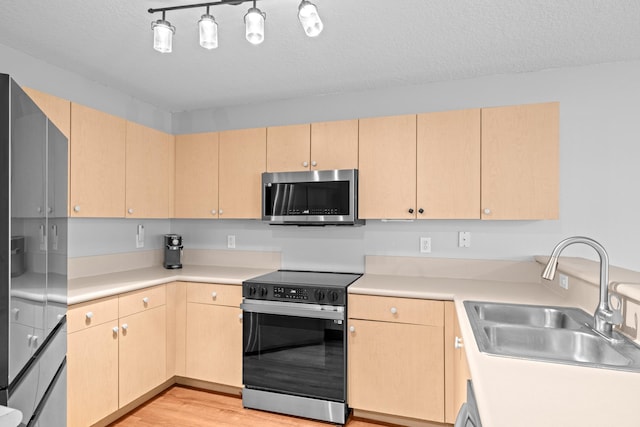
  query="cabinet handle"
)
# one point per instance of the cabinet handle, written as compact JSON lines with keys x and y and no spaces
{"x":314,"y":163}
{"x":421,"y":211}
{"x":457,"y":344}
{"x":130,"y":210}
{"x":305,"y":164}
{"x":487,"y":211}
{"x":410,"y":210}
{"x":76,"y":208}
{"x":89,"y":315}
{"x":33,"y":340}
{"x":39,"y":209}
{"x":240,"y":316}
{"x":125,"y":326}
{"x":115,"y":329}
{"x":50,"y":209}
{"x":145,"y":300}
{"x":394,"y":310}
{"x":214,"y":295}
{"x":220,"y":212}
{"x":213,"y":211}
{"x":15,"y":312}
{"x":352,"y":328}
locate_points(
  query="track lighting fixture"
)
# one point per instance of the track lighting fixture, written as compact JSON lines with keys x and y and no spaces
{"x":162,"y":35}
{"x":254,"y":19}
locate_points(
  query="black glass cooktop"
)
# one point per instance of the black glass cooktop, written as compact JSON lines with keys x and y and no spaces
{"x":305,"y":278}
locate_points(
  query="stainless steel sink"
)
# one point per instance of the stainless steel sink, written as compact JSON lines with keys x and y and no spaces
{"x":531,"y":315}
{"x":549,"y":334}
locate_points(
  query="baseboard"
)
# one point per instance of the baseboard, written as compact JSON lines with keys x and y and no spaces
{"x":395,"y":419}
{"x":206,"y":385}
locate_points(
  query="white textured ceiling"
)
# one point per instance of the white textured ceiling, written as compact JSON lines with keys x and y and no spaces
{"x":365,"y":44}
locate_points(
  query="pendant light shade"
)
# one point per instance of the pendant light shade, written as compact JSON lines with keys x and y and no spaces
{"x":254,"y":23}
{"x":162,"y":35}
{"x":208,"y":32}
{"x":309,"y":18}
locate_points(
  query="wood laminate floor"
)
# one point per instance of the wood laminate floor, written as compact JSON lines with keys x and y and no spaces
{"x":187,"y":407}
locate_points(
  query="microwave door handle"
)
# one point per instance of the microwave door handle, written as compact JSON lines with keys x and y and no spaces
{"x":280,"y":309}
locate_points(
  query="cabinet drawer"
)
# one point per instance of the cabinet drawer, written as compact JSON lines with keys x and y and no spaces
{"x":399,"y":310}
{"x":92,"y":313}
{"x":144,"y":299}
{"x":213,"y":293}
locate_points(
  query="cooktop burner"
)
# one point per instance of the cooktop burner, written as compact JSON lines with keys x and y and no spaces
{"x":300,"y":286}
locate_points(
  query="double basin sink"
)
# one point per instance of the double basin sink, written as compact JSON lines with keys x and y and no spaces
{"x":550,"y":334}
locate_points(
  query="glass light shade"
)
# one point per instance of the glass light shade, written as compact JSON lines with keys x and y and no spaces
{"x":208,"y":32}
{"x":309,"y":18}
{"x":162,"y":35}
{"x":254,"y":23}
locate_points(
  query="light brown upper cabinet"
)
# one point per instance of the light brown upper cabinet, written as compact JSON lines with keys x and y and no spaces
{"x":148,"y":171}
{"x":196,"y":176}
{"x":319,"y":146}
{"x":387,"y":167}
{"x":288,"y":148}
{"x":97,"y":167}
{"x":58,"y":110}
{"x":448,"y":167}
{"x":334,"y":145}
{"x":520,"y":162}
{"x":241,"y":164}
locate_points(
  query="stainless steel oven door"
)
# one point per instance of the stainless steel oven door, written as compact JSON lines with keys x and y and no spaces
{"x":294,"y":348}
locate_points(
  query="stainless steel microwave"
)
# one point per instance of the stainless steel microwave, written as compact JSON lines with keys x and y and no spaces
{"x":328,"y":197}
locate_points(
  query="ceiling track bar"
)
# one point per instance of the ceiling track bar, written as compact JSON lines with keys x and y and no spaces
{"x":192,"y":6}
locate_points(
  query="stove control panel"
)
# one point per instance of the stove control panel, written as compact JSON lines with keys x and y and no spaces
{"x":294,"y":294}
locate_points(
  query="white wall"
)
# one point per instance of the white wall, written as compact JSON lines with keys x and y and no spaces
{"x":34,"y":73}
{"x":599,"y":152}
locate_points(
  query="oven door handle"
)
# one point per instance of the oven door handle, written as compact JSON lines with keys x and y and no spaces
{"x":306,"y":310}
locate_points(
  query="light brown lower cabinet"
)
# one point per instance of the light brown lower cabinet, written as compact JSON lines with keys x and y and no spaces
{"x":396,"y":357}
{"x":456,"y":367}
{"x":116,"y":352}
{"x":214,"y":333}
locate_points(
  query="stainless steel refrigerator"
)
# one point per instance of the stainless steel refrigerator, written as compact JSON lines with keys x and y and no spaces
{"x":33,"y":262}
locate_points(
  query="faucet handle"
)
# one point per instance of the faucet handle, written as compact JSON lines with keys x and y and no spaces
{"x":616,"y":312}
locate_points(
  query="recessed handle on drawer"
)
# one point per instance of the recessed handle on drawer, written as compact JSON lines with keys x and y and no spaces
{"x":458,"y":343}
{"x":214,"y":295}
{"x":394,"y":310}
{"x":352,"y":328}
{"x":145,"y":300}
{"x":89,"y":315}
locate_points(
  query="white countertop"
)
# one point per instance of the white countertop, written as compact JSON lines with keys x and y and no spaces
{"x":94,"y":287}
{"x":515,"y":392}
{"x":9,"y":417}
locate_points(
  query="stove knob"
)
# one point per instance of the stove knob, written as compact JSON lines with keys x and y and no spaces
{"x":333,"y":296}
{"x":263,"y":291}
{"x":319,"y":295}
{"x":252,"y":291}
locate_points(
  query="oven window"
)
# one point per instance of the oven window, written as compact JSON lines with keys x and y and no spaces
{"x":294,"y":355}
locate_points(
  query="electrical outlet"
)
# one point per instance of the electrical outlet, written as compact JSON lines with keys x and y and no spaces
{"x":464,"y":239}
{"x":425,"y":245}
{"x":564,"y":281}
{"x":231,"y":241}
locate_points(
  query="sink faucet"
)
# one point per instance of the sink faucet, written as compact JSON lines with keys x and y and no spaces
{"x":604,"y":317}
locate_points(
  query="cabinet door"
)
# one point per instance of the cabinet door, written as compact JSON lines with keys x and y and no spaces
{"x":58,"y":110}
{"x":242,"y":162}
{"x":92,"y":374}
{"x":520,"y":162}
{"x":387,"y":165}
{"x":214,"y":344}
{"x":288,"y":148}
{"x":334,"y":145}
{"x":197,"y":176}
{"x":448,"y":167}
{"x":396,"y":369}
{"x":143,"y":353}
{"x":97,"y":168}
{"x":147,"y":172}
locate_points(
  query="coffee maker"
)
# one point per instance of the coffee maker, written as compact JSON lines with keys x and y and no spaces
{"x":172,"y":251}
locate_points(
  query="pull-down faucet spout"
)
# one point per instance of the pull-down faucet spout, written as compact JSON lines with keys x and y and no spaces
{"x":604,"y":317}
